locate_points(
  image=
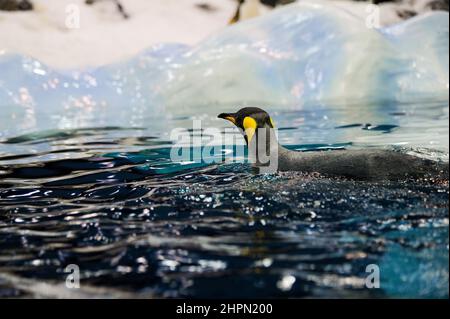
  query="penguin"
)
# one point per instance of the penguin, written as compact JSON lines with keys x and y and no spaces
{"x":248,"y":9}
{"x":366,"y":164}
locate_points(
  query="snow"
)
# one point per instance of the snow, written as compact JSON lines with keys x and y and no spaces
{"x":104,"y":36}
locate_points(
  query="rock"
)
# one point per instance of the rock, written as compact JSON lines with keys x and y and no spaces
{"x":438,"y":5}
{"x":119,"y":6}
{"x":15,"y":5}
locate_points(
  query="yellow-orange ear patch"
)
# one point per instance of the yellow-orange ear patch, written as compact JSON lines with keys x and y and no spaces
{"x":250,"y":127}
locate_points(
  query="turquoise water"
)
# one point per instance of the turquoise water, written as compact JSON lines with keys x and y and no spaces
{"x":110,"y":200}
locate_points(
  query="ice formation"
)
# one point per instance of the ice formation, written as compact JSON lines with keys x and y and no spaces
{"x":298,"y":56}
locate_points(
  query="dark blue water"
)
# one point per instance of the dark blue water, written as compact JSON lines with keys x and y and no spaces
{"x":110,"y":200}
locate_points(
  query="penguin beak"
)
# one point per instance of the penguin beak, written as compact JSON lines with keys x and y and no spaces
{"x":228,"y":116}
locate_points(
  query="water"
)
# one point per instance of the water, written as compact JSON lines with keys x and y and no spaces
{"x":109,"y":200}
{"x":86,"y":177}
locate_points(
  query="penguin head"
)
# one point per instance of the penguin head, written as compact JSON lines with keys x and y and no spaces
{"x":249,"y":120}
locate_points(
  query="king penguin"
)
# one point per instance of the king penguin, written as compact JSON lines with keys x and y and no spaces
{"x":365,"y":164}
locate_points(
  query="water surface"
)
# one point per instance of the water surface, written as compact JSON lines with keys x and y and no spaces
{"x":109,"y":200}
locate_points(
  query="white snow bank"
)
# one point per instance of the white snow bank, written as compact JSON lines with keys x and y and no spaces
{"x":104,"y":36}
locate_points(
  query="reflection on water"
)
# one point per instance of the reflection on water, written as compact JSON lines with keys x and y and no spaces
{"x":138,"y":225}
